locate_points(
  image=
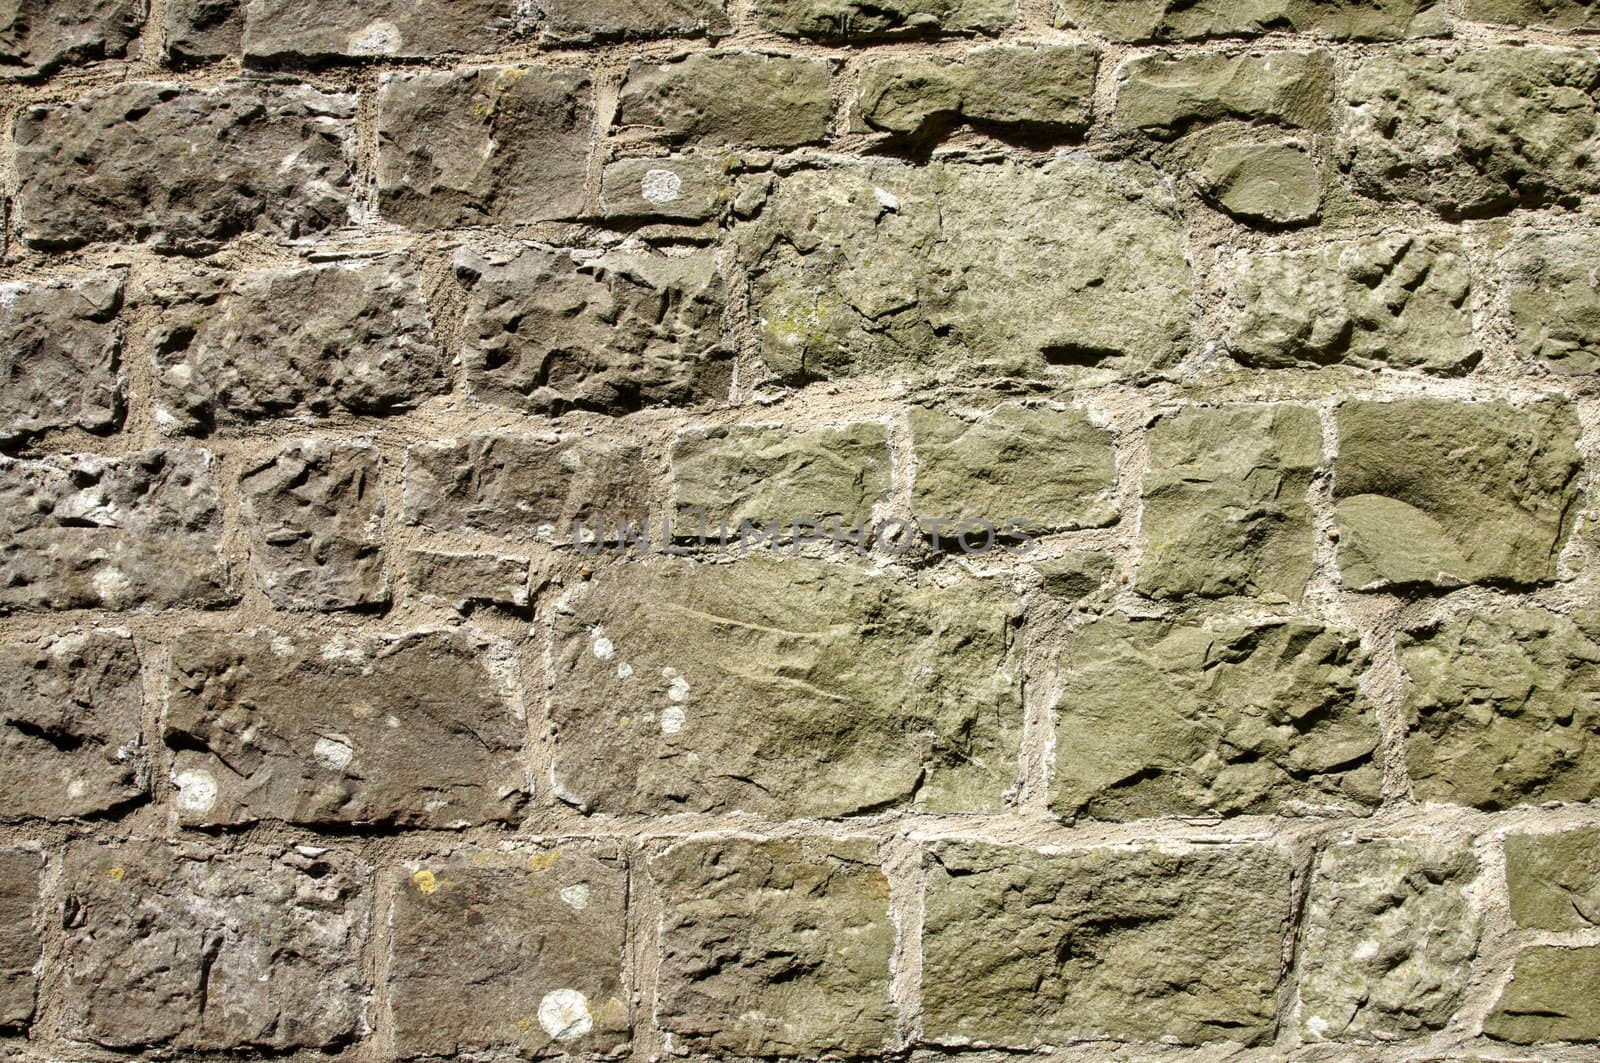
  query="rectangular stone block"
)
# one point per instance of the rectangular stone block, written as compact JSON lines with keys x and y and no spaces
{"x":78,"y":531}
{"x":1555,"y":307}
{"x":745,"y":99}
{"x":1161,"y":718}
{"x":680,"y":188}
{"x":120,"y":164}
{"x":1179,"y":20}
{"x":71,"y":708}
{"x":465,"y":580}
{"x":583,"y":21}
{"x":200,"y":31}
{"x":515,"y":952}
{"x":1550,"y":997}
{"x":60,"y":355}
{"x":278,"y":30}
{"x":418,"y":730}
{"x":1032,"y":90}
{"x":1544,"y":14}
{"x":1022,"y":948}
{"x":20,"y":937}
{"x":854,"y":21}
{"x":175,"y":948}
{"x":775,"y":948}
{"x":1165,"y":96}
{"x":1554,"y":879}
{"x":784,"y":688}
{"x":39,"y":37}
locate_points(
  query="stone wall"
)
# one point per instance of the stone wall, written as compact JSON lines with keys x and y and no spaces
{"x":1131,"y":583}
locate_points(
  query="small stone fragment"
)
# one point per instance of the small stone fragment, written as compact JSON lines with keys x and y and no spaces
{"x":1550,"y":997}
{"x":749,"y":99}
{"x":469,"y":579}
{"x":60,"y":355}
{"x":199,"y":31}
{"x":20,"y":938}
{"x":683,"y":189}
{"x":277,"y":30}
{"x":1554,"y":879}
{"x":1181,"y":20}
{"x":1163,"y":96}
{"x":1034,"y":89}
{"x":1555,"y":300}
{"x":856,"y":21}
{"x":1074,"y":575}
{"x":1276,"y":182}
{"x":39,"y":37}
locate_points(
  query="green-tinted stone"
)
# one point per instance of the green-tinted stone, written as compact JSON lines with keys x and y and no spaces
{"x":855,"y":20}
{"x":1546,"y":14}
{"x":1225,"y":502}
{"x":1276,"y":182}
{"x":1397,"y":301}
{"x":741,"y":98}
{"x":1175,"y":20}
{"x":1504,"y":708}
{"x":1075,"y":574}
{"x":1555,"y":302}
{"x":786,"y":688}
{"x":775,"y":948}
{"x":1441,"y":493}
{"x":1048,"y":88}
{"x":1389,"y":939}
{"x":1551,"y":997}
{"x":1554,"y":879}
{"x":1158,"y":718}
{"x":1023,"y":947}
{"x":1162,"y":95}
{"x":1033,"y":467}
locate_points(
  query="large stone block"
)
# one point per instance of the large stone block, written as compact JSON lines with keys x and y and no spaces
{"x":417,"y":730}
{"x":123,"y":164}
{"x":854,"y":20}
{"x":1550,"y":997}
{"x":1163,"y":96}
{"x":1226,"y":507}
{"x":78,"y":531}
{"x":71,"y":709}
{"x":1504,"y":709}
{"x":747,"y":99}
{"x":785,"y":688}
{"x":516,"y":952}
{"x":1160,"y":718}
{"x":1273,"y":181}
{"x":174,"y":947}
{"x":582,"y":21}
{"x":314,"y":511}
{"x":1555,"y":304}
{"x":199,"y":31}
{"x":39,"y":37}
{"x":1390,"y":934}
{"x":277,"y":30}
{"x":1033,"y":90}
{"x":1401,"y":302}
{"x":550,"y":331}
{"x":775,"y":948}
{"x":1180,"y":20}
{"x":1554,"y":879}
{"x":1474,"y":132}
{"x":946,"y":269}
{"x":1545,"y":14}
{"x":60,"y":355}
{"x":314,"y":341}
{"x":1440,"y":494}
{"x":1021,"y":948}
{"x":20,"y":937}
{"x":483,"y":146}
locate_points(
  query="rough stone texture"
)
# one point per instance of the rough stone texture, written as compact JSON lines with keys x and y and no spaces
{"x":888,"y":269}
{"x":1440,"y":494}
{"x":581,"y":21}
{"x":1401,"y":302}
{"x":1159,"y":717}
{"x":71,"y":707}
{"x":1225,"y":503}
{"x":315,"y":515}
{"x":541,"y":932}
{"x":855,"y":21}
{"x":410,"y":730}
{"x":79,"y":531}
{"x":399,"y":29}
{"x":770,"y":475}
{"x":1037,"y":468}
{"x":319,"y":341}
{"x":747,"y":99}
{"x":1390,"y":934}
{"x":1477,"y":132}
{"x":550,"y":331}
{"x":786,"y":688}
{"x":687,"y":189}
{"x":119,"y":164}
{"x":1503,"y":709}
{"x":60,"y":355}
{"x":1178,"y":20}
{"x":20,"y":938}
{"x":1550,"y":997}
{"x":1276,"y":182}
{"x":1545,"y":14}
{"x":1074,"y":575}
{"x":775,"y":947}
{"x":1554,"y":879}
{"x":1043,"y":90}
{"x":491,"y":145}
{"x":469,"y":579}
{"x":38,"y":37}
{"x":198,"y":31}
{"x":1022,"y":947}
{"x":1163,"y":96}
{"x":170,"y":946}
{"x":1555,"y":303}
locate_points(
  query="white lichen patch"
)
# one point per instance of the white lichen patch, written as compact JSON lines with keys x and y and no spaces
{"x":564,"y":1014}
{"x":334,"y":752}
{"x":379,"y":38}
{"x":660,"y":186}
{"x":672,"y":720}
{"x":576,"y":895}
{"x":197,"y":791}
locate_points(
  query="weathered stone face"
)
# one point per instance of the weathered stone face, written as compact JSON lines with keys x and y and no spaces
{"x":1021,"y":947}
{"x":1048,"y":89}
{"x":894,"y":270}
{"x":1554,"y":879}
{"x":197,"y":31}
{"x":1477,"y":132}
{"x":315,"y":515}
{"x":747,"y":99}
{"x":1503,"y":709}
{"x":469,"y":579}
{"x":19,"y":934}
{"x":413,"y":730}
{"x":118,"y":165}
{"x":549,"y":331}
{"x":167,"y":946}
{"x":1390,"y":934}
{"x":1442,"y":493}
{"x":536,"y":937}
{"x":1159,"y":718}
{"x":1401,"y":302}
{"x":775,"y":947}
{"x":298,"y":29}
{"x":1551,"y":14}
{"x":1164,"y":96}
{"x":1075,"y":574}
{"x":1276,"y":182}
{"x":1550,"y":997}
{"x":39,"y":37}
{"x":79,"y":531}
{"x":1555,"y":306}
{"x":60,"y":355}
{"x":304,"y":341}
{"x":71,"y":743}
{"x":852,"y":20}
{"x":681,"y":188}
{"x":1175,"y":20}
{"x":484,"y":146}
{"x":579,"y":21}
{"x":1038,"y":468}
{"x":784,"y":688}
{"x":1225,"y":503}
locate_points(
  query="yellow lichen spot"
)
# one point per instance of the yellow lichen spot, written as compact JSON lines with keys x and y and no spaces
{"x":425,"y":881}
{"x":479,"y":859}
{"x":116,"y":873}
{"x":543,"y":861}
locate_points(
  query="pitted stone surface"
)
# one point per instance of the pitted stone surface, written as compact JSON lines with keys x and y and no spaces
{"x":855,"y":21}
{"x":39,"y":37}
{"x":1047,"y":89}
{"x":1163,"y":95}
{"x":745,"y":99}
{"x":1553,"y":880}
{"x":1179,"y":20}
{"x":20,"y":938}
{"x":1555,"y":304}
{"x":60,"y":354}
